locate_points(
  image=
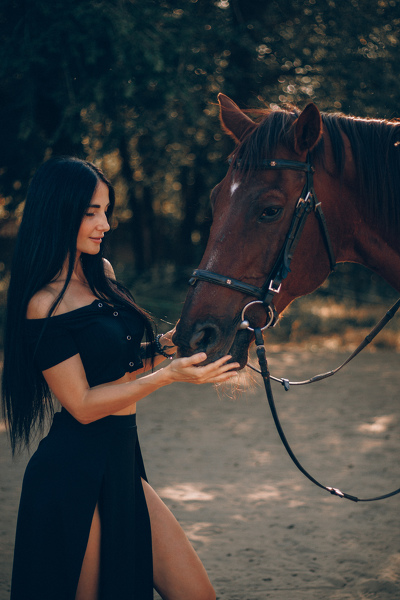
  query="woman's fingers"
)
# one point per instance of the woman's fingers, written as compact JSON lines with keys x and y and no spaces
{"x":188,"y":369}
{"x":201,"y":356}
{"x":195,"y":359}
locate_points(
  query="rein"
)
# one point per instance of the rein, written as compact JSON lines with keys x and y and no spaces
{"x":367,"y":340}
{"x":264,"y":371}
{"x":306,"y":204}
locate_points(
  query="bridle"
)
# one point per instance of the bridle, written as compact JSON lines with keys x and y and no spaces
{"x":306,"y":204}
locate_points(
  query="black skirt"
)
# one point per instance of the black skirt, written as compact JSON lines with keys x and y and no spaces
{"x":75,"y":467}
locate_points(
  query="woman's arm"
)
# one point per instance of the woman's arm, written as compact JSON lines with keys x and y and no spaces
{"x":68,"y":382}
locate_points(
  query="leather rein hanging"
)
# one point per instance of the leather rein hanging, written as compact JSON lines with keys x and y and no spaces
{"x":306,"y":204}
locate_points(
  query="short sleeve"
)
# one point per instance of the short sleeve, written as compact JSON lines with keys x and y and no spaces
{"x":50,"y":343}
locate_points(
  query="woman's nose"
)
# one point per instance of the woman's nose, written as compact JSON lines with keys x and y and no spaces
{"x":104,"y":225}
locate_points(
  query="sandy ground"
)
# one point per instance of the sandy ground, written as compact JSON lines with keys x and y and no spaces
{"x":262,"y":529}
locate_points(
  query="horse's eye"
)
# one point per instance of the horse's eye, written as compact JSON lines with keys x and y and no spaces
{"x":271,"y":213}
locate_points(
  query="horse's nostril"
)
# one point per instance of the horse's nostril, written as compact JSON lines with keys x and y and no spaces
{"x":196,"y":339}
{"x":204,"y":338}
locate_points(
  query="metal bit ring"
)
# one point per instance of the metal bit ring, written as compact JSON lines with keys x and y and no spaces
{"x":246,"y":325}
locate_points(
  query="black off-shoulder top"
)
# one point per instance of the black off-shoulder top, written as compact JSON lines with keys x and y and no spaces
{"x":107,"y":338}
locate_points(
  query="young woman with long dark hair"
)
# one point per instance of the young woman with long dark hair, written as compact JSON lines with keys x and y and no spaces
{"x":89,"y":527}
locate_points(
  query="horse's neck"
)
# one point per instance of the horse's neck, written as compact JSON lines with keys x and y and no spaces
{"x":354,"y":239}
{"x":361,"y":243}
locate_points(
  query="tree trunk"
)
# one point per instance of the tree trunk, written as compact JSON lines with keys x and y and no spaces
{"x":191,"y":189}
{"x":134,"y":205}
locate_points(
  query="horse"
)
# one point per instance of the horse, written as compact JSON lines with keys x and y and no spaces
{"x":348,"y":166}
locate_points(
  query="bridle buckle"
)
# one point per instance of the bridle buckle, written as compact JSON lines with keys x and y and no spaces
{"x":272,"y":287}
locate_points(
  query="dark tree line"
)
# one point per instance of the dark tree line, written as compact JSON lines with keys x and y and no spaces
{"x":132,"y":85}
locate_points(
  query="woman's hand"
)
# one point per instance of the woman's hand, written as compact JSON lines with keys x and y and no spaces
{"x":166,"y":342}
{"x":187,"y":369}
{"x":167,"y":337}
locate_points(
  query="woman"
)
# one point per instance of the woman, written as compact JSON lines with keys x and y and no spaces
{"x":90,"y":527}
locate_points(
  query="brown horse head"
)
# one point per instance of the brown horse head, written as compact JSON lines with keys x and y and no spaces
{"x":253,"y":210}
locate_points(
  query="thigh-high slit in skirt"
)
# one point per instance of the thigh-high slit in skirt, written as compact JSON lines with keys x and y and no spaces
{"x":74,"y":468}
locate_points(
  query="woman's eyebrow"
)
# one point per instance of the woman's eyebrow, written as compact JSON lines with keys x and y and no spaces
{"x":98,"y":206}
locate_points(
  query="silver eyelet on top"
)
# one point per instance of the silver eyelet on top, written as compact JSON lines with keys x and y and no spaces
{"x":131,"y":364}
{"x":128,"y":337}
{"x":100,"y":305}
{"x":115,"y":314}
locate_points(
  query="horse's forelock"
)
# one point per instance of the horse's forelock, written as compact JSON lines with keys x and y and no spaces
{"x":274,"y":129}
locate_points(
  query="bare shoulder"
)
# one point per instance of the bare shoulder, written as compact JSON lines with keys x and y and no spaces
{"x":40,"y":304}
{"x":108,"y":270}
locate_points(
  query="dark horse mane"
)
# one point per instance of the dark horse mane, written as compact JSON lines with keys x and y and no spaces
{"x":375,"y":146}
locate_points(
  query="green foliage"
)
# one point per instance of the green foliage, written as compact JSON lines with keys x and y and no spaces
{"x":342,"y":54}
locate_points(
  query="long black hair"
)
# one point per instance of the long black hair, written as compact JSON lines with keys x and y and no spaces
{"x":58,"y":197}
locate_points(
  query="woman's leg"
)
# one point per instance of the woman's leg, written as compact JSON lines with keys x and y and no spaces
{"x":88,"y":585}
{"x":177,"y":570}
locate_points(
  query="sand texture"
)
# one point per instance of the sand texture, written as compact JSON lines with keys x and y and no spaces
{"x":260,"y":527}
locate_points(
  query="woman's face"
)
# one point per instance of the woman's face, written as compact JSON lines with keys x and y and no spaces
{"x":94,"y":223}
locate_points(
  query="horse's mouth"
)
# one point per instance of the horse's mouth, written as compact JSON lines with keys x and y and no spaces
{"x":238,"y":350}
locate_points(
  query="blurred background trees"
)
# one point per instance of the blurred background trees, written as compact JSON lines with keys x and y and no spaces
{"x":132,"y":86}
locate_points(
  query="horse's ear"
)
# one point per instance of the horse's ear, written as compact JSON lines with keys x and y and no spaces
{"x":233,"y":120}
{"x":307,"y":129}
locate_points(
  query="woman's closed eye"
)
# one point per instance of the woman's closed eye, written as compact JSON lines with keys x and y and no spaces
{"x":92,"y":214}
